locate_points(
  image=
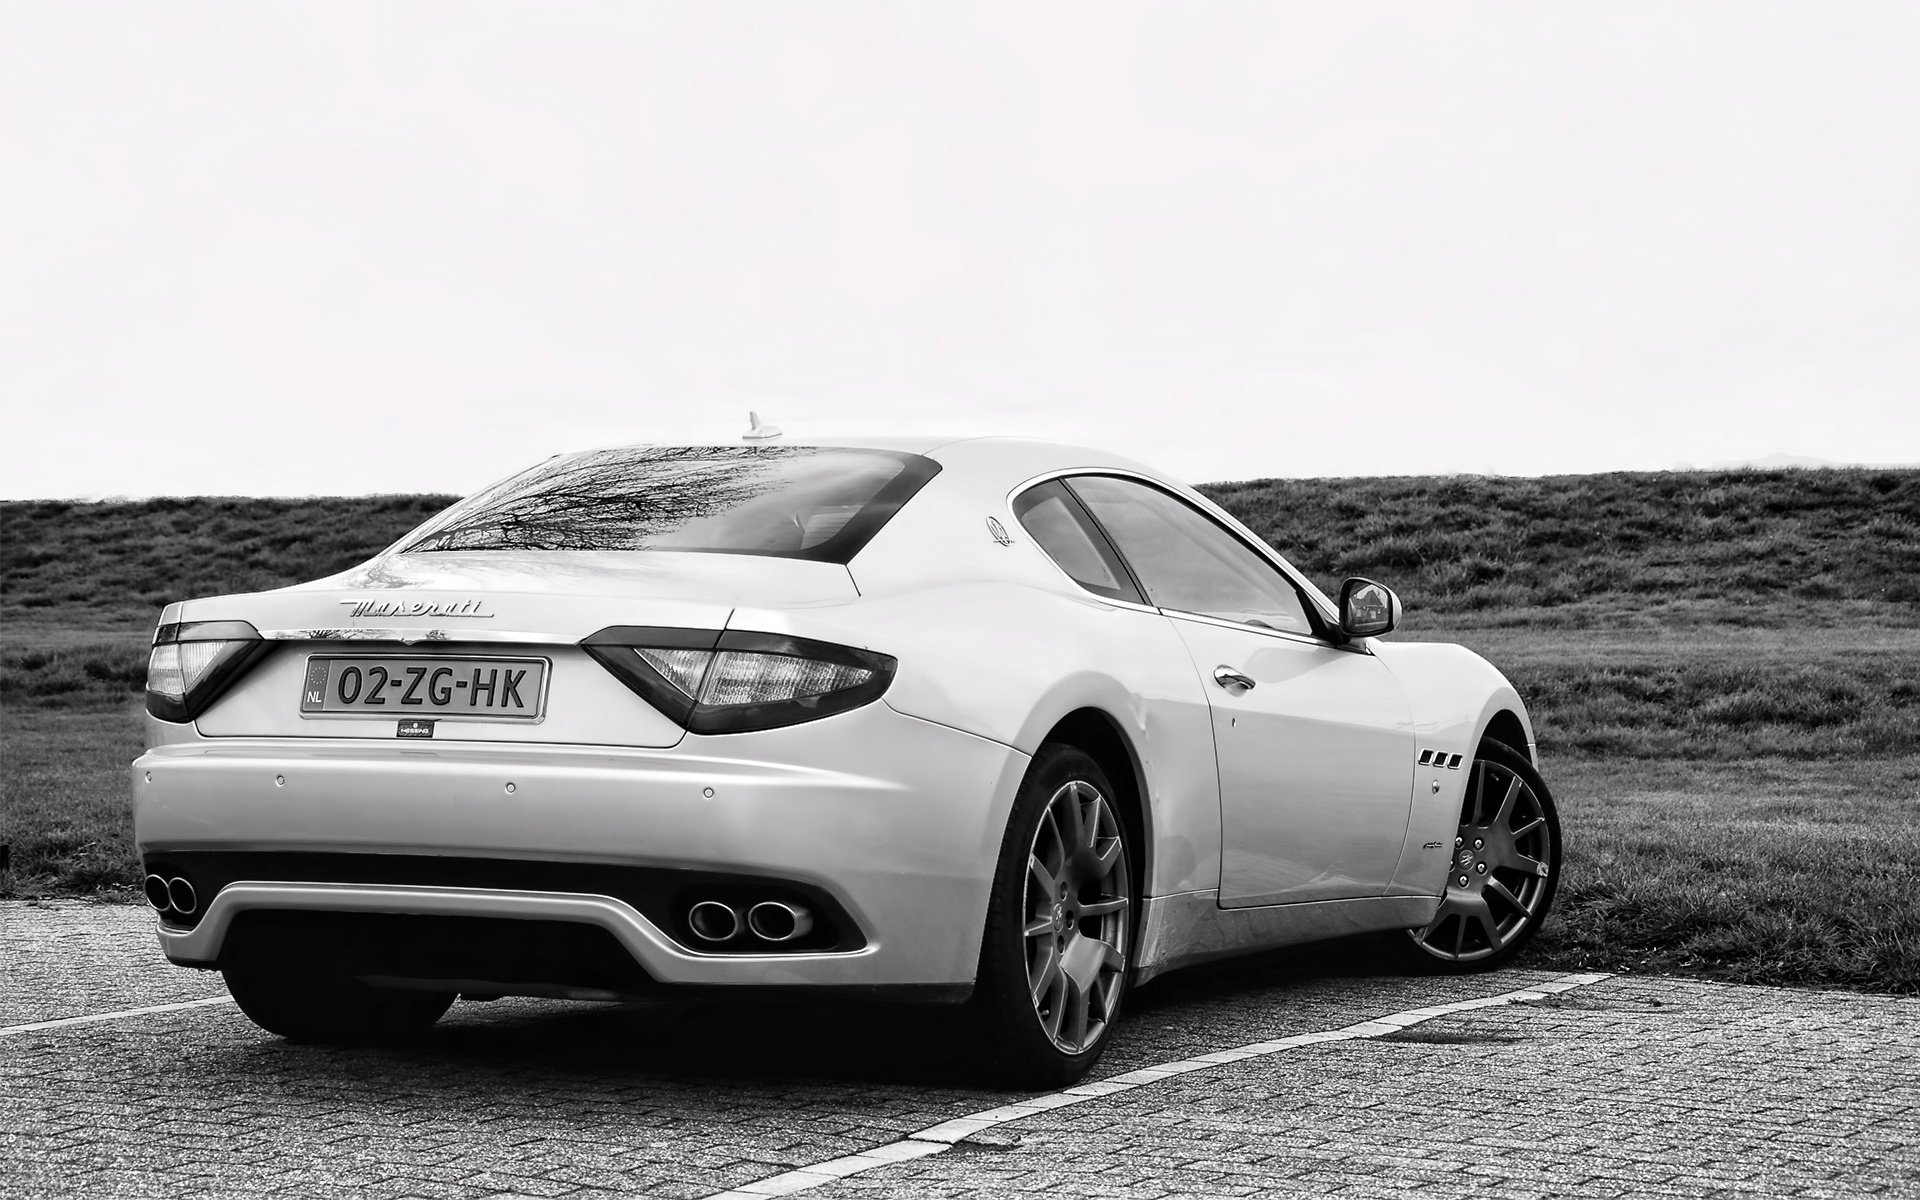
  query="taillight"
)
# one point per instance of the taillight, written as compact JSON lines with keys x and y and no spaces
{"x":194,"y":661}
{"x":712,"y":681}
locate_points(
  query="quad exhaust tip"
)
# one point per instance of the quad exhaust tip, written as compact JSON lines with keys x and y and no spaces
{"x":170,"y":895}
{"x":713,"y":921}
{"x":772,"y":921}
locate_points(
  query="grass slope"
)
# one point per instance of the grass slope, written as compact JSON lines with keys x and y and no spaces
{"x":1723,"y":669}
{"x":77,"y":565}
{"x":1701,"y":547}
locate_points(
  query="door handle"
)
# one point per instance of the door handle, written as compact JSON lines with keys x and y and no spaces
{"x":1229,"y":678}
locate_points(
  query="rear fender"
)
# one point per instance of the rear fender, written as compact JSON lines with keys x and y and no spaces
{"x":1009,"y":662}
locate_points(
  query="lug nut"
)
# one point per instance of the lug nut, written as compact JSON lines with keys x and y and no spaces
{"x":1463,"y":881}
{"x":1459,"y":842}
{"x":1479,"y":843}
{"x":1480,"y":867}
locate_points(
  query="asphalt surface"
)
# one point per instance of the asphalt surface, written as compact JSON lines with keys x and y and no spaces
{"x":1621,"y":1086}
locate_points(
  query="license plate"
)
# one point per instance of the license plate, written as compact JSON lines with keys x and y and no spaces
{"x":512,"y":689}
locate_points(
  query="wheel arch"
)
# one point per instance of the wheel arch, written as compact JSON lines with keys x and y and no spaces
{"x":1099,"y":734}
{"x":1506,"y":727}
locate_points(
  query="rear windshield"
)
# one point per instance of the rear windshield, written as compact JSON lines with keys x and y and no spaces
{"x":788,"y":502}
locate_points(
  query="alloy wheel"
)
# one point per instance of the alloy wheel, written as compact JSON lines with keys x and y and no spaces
{"x":1076,"y":920}
{"x":1498,"y":882}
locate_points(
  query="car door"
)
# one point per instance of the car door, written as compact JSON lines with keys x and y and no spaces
{"x":1315,"y":741}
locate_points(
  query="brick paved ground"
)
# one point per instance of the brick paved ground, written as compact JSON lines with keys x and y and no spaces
{"x":1633,"y":1086}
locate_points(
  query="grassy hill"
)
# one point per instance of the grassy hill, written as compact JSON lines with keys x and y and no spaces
{"x":1744,"y":547}
{"x":1723,"y":669}
{"x":1689,"y":580}
{"x":112,"y":565}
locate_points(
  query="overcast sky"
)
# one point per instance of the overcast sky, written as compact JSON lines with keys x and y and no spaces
{"x":341,"y":248}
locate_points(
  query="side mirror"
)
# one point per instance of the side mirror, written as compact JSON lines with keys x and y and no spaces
{"x":1367,"y":609}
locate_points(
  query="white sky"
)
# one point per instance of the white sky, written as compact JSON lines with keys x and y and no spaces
{"x":340,"y":248}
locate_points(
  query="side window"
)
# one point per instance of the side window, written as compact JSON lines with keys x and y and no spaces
{"x":1059,"y":526}
{"x":1185,"y":561}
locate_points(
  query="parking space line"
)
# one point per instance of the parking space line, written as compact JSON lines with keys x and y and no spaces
{"x":114,"y":1016}
{"x":937,"y":1139}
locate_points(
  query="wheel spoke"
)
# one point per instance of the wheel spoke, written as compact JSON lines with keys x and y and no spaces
{"x":1056,"y":1001}
{"x":1050,"y":825}
{"x":1073,"y":831}
{"x":1037,"y":873}
{"x":1501,"y":890}
{"x":1100,"y":908}
{"x":1105,"y":857}
{"x":1040,"y":926}
{"x":1529,"y":827}
{"x":1049,"y":975}
{"x":1522,"y":863}
{"x":1487,"y":926}
{"x":1091,"y":830}
{"x":1501,"y":816}
{"x":1479,"y":789}
{"x":1449,"y":906}
{"x":1103,"y":997}
{"x":1078,"y":1003}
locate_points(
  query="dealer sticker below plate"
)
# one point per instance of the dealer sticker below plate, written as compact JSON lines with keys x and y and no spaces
{"x":414,"y":728}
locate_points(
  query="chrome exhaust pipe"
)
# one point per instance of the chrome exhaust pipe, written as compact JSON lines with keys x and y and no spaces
{"x":712,"y":921}
{"x":156,"y":889}
{"x":772,"y":921}
{"x":180,"y":892}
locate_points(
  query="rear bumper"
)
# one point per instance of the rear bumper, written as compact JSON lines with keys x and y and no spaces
{"x":898,"y":820}
{"x":650,"y":947}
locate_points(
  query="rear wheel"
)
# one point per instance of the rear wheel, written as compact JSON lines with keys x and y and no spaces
{"x":312,"y":1003}
{"x":1505,"y":867}
{"x":1054,"y":966}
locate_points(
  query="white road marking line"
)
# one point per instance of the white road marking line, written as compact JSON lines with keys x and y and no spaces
{"x":937,"y":1139}
{"x":114,"y":1016}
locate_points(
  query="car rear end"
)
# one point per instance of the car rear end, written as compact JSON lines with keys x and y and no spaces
{"x":527,"y":750}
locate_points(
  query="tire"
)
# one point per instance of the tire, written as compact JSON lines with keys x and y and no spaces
{"x":310,"y":1003}
{"x":1055,"y":962}
{"x":1507,"y":852}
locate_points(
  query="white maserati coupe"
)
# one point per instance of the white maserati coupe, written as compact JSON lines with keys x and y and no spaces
{"x":1008,"y":723}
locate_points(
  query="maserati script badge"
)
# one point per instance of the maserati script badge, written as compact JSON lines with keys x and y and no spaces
{"x":418,"y":608}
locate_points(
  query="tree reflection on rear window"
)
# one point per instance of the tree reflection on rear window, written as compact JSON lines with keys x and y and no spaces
{"x":788,"y":502}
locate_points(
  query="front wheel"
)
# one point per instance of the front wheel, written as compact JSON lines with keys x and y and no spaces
{"x":1054,"y":965}
{"x":1505,"y":867}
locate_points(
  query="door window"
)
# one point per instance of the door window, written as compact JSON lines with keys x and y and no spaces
{"x":1186,"y":561}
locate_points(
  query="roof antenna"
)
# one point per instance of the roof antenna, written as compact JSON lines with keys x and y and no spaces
{"x":759,"y":432}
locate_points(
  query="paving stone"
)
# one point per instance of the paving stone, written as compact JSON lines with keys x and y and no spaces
{"x":1633,"y":1086}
